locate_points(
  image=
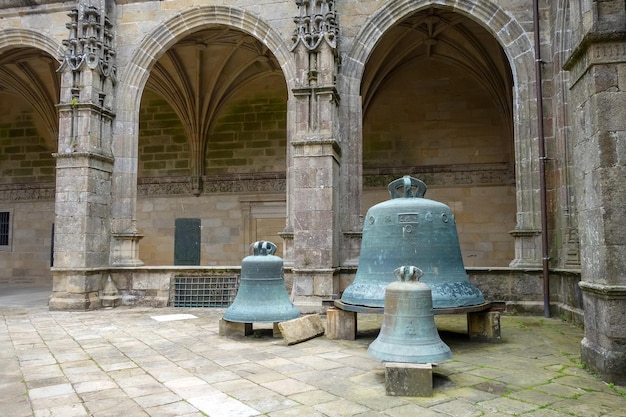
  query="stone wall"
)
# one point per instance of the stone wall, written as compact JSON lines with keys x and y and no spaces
{"x":163,"y":145}
{"x":230,"y":223}
{"x":25,"y":157}
{"x":29,"y":259}
{"x":27,"y":192}
{"x":250,"y":136}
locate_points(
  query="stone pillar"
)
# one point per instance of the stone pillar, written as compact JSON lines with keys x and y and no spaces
{"x":598,"y":93}
{"x":314,"y":158}
{"x":84,"y":160}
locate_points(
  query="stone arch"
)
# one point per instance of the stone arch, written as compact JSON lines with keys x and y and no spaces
{"x":134,"y":77}
{"x":515,"y":42}
{"x":41,"y":94}
{"x":15,"y":38}
{"x":169,"y":32}
{"x":519,"y":49}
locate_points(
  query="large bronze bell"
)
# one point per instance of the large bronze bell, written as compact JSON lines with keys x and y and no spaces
{"x":408,"y":333}
{"x":409,"y":229}
{"x":262,"y":296}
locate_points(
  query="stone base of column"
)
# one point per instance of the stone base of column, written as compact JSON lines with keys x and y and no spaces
{"x":610,"y":365}
{"x":76,"y":290}
{"x":73,"y":301}
{"x":125,"y":249}
{"x":311,"y":287}
{"x":527,"y":248}
{"x":603,"y":349}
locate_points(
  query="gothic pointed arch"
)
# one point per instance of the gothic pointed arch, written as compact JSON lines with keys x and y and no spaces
{"x":144,"y":62}
{"x":155,"y":43}
{"x":28,"y":65}
{"x":517,"y":46}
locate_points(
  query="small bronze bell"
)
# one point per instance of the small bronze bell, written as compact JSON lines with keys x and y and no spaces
{"x":411,"y":230}
{"x":408,"y":333}
{"x":262,"y":296}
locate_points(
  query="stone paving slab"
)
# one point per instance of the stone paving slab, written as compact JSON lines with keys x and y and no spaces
{"x":123,"y":361}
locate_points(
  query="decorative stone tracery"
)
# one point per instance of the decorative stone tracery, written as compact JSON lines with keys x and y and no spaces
{"x":316,"y":23}
{"x":90,"y":42}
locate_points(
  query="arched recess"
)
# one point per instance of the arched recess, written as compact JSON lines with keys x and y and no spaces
{"x":29,"y":94}
{"x":28,"y":64}
{"x":518,"y":50}
{"x":165,"y":65}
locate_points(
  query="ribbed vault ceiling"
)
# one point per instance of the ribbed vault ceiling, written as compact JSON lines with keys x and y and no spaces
{"x":439,"y":34}
{"x":200,"y":73}
{"x":31,"y":75}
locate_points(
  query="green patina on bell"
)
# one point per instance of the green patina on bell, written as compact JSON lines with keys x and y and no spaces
{"x":409,"y":229}
{"x":408,"y":333}
{"x":262,"y":296}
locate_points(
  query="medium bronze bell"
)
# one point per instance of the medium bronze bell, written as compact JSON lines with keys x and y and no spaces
{"x":409,"y":229}
{"x":408,"y":333}
{"x":262,"y":296}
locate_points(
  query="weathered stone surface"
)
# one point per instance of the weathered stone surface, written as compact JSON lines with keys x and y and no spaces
{"x":230,"y":328}
{"x":409,"y":379}
{"x":484,"y":326}
{"x":301,"y":329}
{"x":341,"y":324}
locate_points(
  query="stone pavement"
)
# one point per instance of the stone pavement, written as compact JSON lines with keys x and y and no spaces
{"x":172,"y":362}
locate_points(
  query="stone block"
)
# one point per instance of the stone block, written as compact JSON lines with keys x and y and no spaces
{"x":301,"y":329}
{"x":341,"y":324}
{"x":484,"y":326}
{"x":409,"y":379}
{"x":230,"y":328}
{"x":302,"y":285}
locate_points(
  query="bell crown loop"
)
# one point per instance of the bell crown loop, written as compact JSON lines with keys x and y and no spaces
{"x":407,"y":187}
{"x":408,"y":273}
{"x":263,"y":247}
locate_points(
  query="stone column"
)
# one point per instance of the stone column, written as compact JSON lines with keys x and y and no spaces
{"x":315,"y":157}
{"x":598,"y":93}
{"x":84,"y":161}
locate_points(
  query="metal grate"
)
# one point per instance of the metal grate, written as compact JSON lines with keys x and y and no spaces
{"x":211,"y":291}
{"x":4,"y":227}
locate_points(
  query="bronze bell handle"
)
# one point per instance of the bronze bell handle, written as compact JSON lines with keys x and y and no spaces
{"x":407,"y":184}
{"x":263,"y":247}
{"x":408,"y":273}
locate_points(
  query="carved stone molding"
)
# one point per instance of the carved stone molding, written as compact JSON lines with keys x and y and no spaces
{"x":234,"y":183}
{"x":596,"y":49}
{"x":27,"y":192}
{"x":470,"y":174}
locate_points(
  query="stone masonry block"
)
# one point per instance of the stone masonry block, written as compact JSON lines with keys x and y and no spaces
{"x":341,"y":324}
{"x":229,"y":328}
{"x":301,"y":329}
{"x":484,"y":326}
{"x":409,"y":379}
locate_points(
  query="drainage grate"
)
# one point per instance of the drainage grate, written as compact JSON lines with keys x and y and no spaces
{"x":211,"y":291}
